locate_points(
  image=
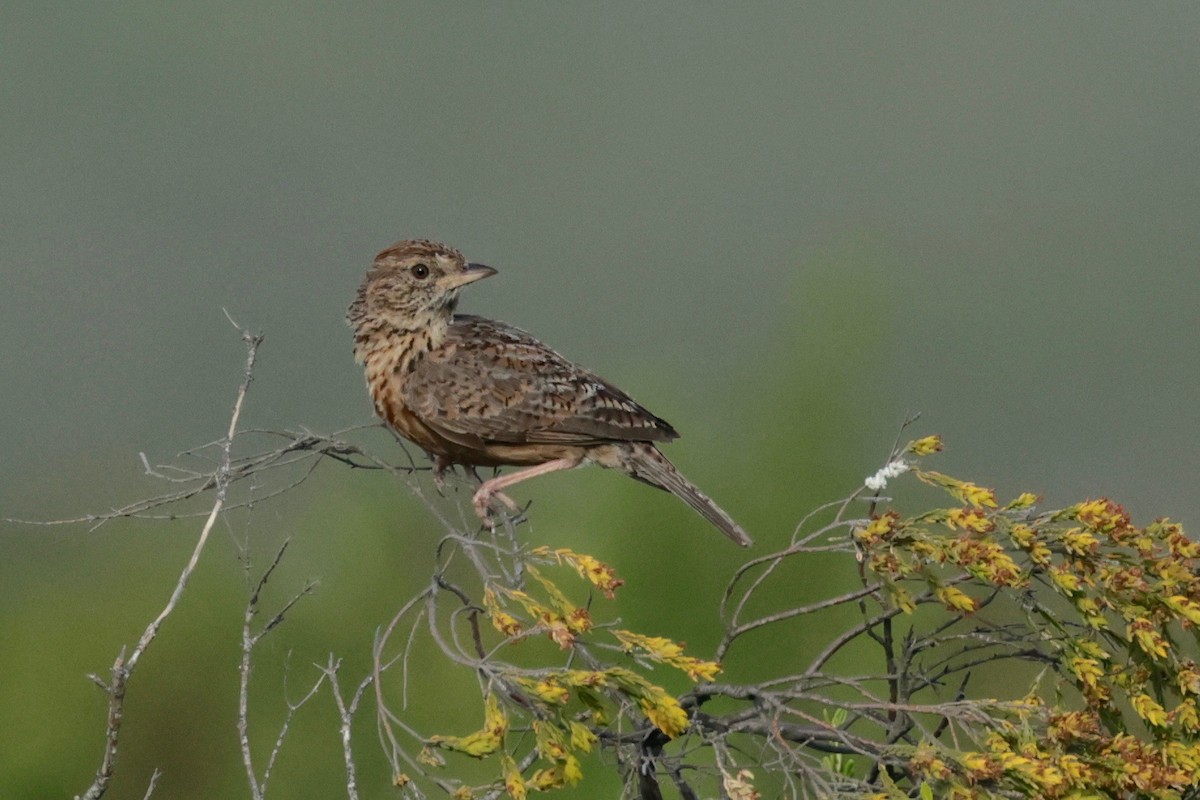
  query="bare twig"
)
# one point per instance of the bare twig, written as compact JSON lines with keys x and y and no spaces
{"x":154,"y":776}
{"x":250,"y":639}
{"x":123,"y":667}
{"x":346,"y":711}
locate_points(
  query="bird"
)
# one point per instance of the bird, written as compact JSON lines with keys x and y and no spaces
{"x":474,"y":392}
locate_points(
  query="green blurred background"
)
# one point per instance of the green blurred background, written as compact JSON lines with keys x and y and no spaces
{"x":781,"y":227}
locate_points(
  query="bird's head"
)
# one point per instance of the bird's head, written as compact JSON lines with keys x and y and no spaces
{"x":414,"y":283}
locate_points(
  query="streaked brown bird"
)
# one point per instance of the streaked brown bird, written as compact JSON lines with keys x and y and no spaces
{"x":475,"y":392}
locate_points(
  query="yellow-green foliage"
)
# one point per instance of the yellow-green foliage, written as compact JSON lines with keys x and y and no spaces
{"x":563,"y":707}
{"x":1107,"y":608}
{"x":1117,"y":715}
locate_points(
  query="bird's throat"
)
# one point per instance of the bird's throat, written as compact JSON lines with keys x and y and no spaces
{"x":383,"y":347}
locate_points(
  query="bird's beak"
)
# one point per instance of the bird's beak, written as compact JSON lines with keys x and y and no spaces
{"x":473,"y":272}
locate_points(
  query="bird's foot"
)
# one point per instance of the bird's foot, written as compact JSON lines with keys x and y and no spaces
{"x":482,"y":501}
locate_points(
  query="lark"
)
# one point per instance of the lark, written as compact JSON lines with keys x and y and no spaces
{"x":475,"y":392}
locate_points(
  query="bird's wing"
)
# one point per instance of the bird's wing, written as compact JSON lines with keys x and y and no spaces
{"x":489,"y":382}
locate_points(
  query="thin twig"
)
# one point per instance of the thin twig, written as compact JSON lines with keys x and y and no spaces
{"x":123,"y":667}
{"x":250,"y":640}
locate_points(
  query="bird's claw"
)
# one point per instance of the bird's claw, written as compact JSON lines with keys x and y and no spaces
{"x":482,"y":501}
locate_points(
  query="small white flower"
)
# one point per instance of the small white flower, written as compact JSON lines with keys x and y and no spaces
{"x":893,"y":470}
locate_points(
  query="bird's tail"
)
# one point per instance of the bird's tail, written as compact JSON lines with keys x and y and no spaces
{"x":644,"y":462}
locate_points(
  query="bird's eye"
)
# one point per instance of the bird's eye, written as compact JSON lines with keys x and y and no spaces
{"x":420,"y":271}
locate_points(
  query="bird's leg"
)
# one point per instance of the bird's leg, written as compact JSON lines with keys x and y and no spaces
{"x":501,"y":496}
{"x":495,"y":486}
{"x":441,"y":465}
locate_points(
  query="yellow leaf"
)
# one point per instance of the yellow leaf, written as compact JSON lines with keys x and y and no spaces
{"x":1186,"y":608}
{"x":965,"y":491}
{"x":668,"y":652}
{"x":591,"y":569}
{"x":925,"y":446}
{"x":1091,"y":649}
{"x":505,"y":623}
{"x":575,"y":619}
{"x":502,"y":621}
{"x":1024,"y":500}
{"x":878,"y":529}
{"x":1104,"y":515}
{"x":1179,"y":543}
{"x":1188,"y":679}
{"x":483,"y":742}
{"x":1090,"y":609}
{"x":1022,"y":535}
{"x":1148,"y":709}
{"x":975,"y":761}
{"x":1087,"y":670}
{"x":956,"y":600}
{"x":972,"y":519}
{"x":1186,"y":717}
{"x":582,"y":737}
{"x":1075,"y":769}
{"x":1065,"y":579}
{"x":666,"y":713}
{"x":1080,"y":542}
{"x":561,"y":625}
{"x":550,"y":741}
{"x":550,"y":690}
{"x":585,"y":677}
{"x":660,"y":708}
{"x":901,"y":597}
{"x":1148,"y":639}
{"x":571,"y":771}
{"x":514,"y":784}
{"x":549,"y":778}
